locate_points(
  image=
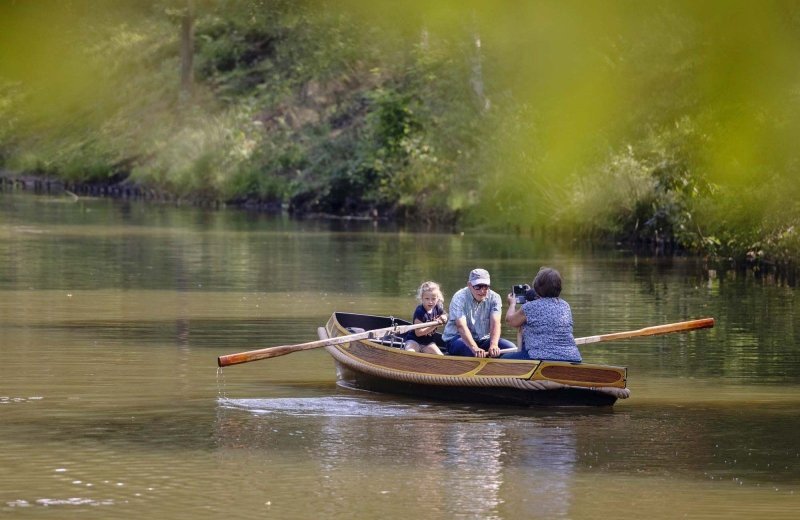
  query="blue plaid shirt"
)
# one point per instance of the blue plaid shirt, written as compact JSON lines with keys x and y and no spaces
{"x":478,"y":314}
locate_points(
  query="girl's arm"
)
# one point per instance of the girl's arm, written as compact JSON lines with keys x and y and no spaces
{"x":427,"y":331}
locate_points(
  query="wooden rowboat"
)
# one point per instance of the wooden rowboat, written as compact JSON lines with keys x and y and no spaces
{"x":382,"y":365}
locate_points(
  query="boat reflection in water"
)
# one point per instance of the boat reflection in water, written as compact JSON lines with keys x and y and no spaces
{"x":426,"y":459}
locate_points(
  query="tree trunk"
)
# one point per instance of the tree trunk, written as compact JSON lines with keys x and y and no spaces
{"x":187,"y":52}
{"x":477,"y":69}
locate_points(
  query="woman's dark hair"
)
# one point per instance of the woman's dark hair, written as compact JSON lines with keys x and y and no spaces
{"x":547,"y":283}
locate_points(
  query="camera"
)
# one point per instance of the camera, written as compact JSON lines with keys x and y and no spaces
{"x":520,"y":293}
{"x":523,"y":293}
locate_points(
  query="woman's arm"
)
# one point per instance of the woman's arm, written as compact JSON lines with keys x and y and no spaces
{"x":514,"y":316}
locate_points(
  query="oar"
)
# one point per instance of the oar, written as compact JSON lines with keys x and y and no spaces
{"x":270,"y":352}
{"x":681,"y":326}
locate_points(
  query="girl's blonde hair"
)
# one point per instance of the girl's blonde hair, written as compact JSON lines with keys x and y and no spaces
{"x":432,"y":287}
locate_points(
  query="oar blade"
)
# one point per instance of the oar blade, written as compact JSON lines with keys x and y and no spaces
{"x":682,"y":326}
{"x":271,"y":352}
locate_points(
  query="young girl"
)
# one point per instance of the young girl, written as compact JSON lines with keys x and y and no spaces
{"x":430,"y":309}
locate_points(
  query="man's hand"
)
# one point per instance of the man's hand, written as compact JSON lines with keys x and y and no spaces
{"x":494,"y":351}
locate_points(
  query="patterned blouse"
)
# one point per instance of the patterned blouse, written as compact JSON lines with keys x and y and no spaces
{"x":547,"y":332}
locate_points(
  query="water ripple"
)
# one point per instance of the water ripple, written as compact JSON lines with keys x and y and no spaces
{"x":329,"y":407}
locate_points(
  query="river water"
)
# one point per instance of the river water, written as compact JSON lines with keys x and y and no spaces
{"x":112,"y":315}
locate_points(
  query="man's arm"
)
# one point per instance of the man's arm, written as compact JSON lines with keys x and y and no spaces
{"x":466,"y":336}
{"x":494,"y":324}
{"x":494,"y":334}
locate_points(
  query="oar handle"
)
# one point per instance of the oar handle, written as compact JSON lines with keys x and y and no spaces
{"x":681,"y":326}
{"x":271,"y":352}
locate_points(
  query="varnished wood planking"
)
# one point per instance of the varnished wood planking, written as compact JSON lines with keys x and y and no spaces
{"x":582,"y":373}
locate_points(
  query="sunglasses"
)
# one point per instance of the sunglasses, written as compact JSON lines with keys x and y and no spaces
{"x":480,"y":287}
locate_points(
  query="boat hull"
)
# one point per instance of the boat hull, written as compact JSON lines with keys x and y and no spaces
{"x":381,"y":365}
{"x":494,"y":395}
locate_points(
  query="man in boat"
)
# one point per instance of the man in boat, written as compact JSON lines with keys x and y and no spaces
{"x":473,"y":328}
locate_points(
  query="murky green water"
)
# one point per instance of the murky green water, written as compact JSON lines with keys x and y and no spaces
{"x":111,"y":405}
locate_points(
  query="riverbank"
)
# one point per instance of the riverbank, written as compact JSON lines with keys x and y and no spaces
{"x":748,"y":263}
{"x":332,"y":111}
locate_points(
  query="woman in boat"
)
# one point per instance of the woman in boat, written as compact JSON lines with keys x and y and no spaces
{"x":546,"y":322}
{"x":430,"y":309}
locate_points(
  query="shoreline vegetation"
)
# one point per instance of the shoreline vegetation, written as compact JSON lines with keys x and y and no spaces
{"x":616,"y":123}
{"x":759,"y":266}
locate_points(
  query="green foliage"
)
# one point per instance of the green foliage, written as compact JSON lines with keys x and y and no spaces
{"x":669,"y":124}
{"x":10,"y":95}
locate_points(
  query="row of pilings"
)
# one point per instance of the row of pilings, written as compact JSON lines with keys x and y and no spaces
{"x":55,"y":187}
{"x":39,"y":185}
